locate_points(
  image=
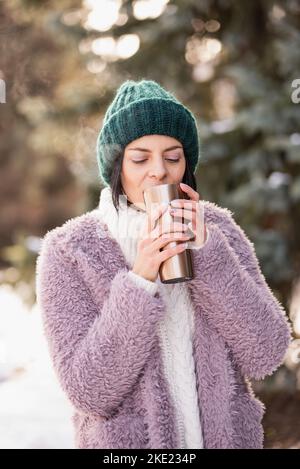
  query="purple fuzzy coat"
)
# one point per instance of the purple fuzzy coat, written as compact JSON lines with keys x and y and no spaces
{"x":101,"y":332}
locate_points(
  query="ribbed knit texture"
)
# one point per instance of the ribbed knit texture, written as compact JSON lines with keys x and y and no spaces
{"x":144,"y":108}
{"x":175,"y":331}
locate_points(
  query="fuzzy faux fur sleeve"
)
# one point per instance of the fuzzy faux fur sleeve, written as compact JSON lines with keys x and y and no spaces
{"x":236,"y":299}
{"x":97,"y":354}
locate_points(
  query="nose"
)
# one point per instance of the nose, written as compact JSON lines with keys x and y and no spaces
{"x":158,"y":170}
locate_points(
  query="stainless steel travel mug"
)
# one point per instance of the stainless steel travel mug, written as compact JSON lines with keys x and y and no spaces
{"x":178,"y":268}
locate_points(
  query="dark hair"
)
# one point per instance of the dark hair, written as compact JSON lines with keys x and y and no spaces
{"x":117,"y":188}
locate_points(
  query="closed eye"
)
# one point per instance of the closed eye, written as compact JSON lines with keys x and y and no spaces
{"x":167,"y":159}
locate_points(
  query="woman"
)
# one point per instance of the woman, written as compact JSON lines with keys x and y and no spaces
{"x":147,"y":364}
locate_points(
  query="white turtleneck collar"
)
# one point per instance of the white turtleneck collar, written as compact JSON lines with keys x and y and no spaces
{"x":124,"y":226}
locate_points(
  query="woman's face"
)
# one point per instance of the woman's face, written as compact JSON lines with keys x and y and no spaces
{"x":149,"y":161}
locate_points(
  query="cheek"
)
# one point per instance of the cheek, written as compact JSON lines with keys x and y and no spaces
{"x":177,"y":169}
{"x":129,"y":170}
{"x":134,"y":173}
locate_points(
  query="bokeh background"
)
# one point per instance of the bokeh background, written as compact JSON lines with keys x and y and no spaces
{"x":236,"y":65}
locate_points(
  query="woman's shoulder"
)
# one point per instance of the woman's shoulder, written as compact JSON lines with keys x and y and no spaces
{"x":225,"y":220}
{"x":214,"y":213}
{"x":81,"y":230}
{"x":82,"y":245}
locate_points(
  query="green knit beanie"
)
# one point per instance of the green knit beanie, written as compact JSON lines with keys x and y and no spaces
{"x":144,"y":108}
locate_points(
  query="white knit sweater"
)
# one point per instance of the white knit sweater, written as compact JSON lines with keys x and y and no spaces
{"x":175,"y":331}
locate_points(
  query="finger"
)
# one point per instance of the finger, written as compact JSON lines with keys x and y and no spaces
{"x":190,"y":192}
{"x":189,"y":205}
{"x":155,"y":214}
{"x":169,"y":252}
{"x":164,"y":240}
{"x":196,"y":218}
{"x":183,"y":213}
{"x":197,"y":224}
{"x":148,"y":226}
{"x":173,"y":227}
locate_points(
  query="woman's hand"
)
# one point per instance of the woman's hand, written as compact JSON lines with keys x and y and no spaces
{"x":154,"y":237}
{"x":191,"y":210}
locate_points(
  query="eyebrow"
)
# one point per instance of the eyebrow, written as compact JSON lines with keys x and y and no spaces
{"x":147,"y":150}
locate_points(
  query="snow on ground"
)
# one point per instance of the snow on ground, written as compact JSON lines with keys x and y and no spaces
{"x":34,"y":411}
